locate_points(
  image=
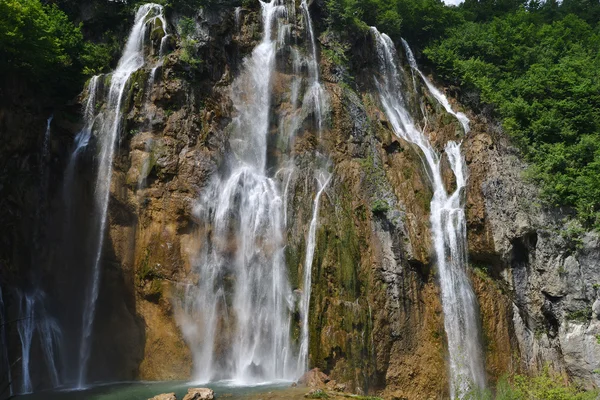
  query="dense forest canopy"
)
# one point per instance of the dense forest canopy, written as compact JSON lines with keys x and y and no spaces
{"x":535,"y":63}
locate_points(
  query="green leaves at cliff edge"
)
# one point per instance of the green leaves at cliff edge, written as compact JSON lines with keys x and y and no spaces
{"x":419,"y":21}
{"x":41,"y":44}
{"x":540,"y":70}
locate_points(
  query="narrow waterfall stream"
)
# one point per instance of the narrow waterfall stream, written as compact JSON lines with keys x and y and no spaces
{"x":315,"y":96}
{"x":34,"y":318}
{"x":316,"y":99}
{"x":323,"y":179}
{"x":439,"y":96}
{"x":34,"y":322}
{"x":448,"y":224}
{"x":109,"y":128}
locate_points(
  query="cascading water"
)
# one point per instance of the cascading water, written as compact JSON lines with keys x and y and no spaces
{"x":81,"y":141}
{"x":315,"y":95}
{"x":323,"y":179}
{"x":109,"y":120}
{"x":25,"y":327}
{"x":316,"y":99}
{"x":46,"y":144}
{"x":448,"y":226}
{"x":34,"y":318}
{"x":237,"y":318}
{"x":439,"y":96}
{"x":44,"y":177}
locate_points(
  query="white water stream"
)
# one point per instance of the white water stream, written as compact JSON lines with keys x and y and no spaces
{"x":33,"y":318}
{"x":237,"y":319}
{"x":322,"y":179}
{"x":110,"y":120}
{"x":448,"y":224}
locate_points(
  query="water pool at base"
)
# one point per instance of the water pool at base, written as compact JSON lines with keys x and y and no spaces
{"x":146,"y":390}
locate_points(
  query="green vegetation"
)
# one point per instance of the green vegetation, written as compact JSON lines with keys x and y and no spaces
{"x":546,"y":386}
{"x":542,"y":75}
{"x":582,"y":315}
{"x":535,"y":64}
{"x":41,"y":44}
{"x":317,"y":394}
{"x":419,"y":21}
{"x":380,"y":207}
{"x":189,"y":46}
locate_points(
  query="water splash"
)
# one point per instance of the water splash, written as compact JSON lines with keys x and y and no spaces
{"x":131,"y":60}
{"x":448,"y":227}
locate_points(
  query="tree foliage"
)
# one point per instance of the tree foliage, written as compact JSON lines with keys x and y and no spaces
{"x":40,"y":43}
{"x":536,"y":62}
{"x":541,"y":72}
{"x":419,"y":21}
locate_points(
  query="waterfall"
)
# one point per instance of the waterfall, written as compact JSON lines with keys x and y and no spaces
{"x":81,"y":141}
{"x":131,"y":60}
{"x":323,"y":179}
{"x":439,"y":96}
{"x":25,"y":327}
{"x":448,"y":227}
{"x":46,"y":144}
{"x":237,"y":318}
{"x":316,"y":99}
{"x":43,"y":194}
{"x":315,"y":95}
{"x":33,"y":318}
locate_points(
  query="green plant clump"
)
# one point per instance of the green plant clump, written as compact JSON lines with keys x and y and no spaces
{"x":546,"y":386}
{"x":317,"y":394}
{"x":189,"y":46}
{"x":380,"y":206}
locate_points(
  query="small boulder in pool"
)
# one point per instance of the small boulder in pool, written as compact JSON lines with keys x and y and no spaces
{"x":165,"y":396}
{"x":199,"y":394}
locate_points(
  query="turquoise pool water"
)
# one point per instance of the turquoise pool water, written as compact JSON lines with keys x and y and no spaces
{"x":145,"y":390}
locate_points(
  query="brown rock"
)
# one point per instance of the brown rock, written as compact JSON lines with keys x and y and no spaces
{"x":164,"y":396}
{"x":199,"y":394}
{"x":336,"y":387}
{"x":314,"y":378}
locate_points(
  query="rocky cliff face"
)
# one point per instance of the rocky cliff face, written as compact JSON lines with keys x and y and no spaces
{"x":376,"y":320}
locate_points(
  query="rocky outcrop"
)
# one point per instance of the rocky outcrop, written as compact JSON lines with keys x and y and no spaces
{"x":314,"y":378}
{"x":543,"y":260}
{"x":199,"y":394}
